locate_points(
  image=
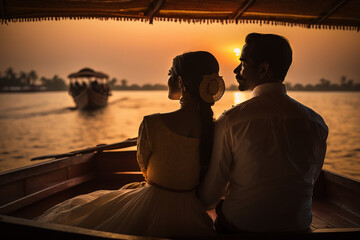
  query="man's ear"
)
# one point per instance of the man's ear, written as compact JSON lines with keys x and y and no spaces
{"x":264,"y":69}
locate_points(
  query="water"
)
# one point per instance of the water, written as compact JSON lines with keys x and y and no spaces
{"x":35,"y":124}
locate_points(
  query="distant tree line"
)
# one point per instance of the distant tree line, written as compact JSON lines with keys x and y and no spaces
{"x":323,"y":85}
{"x":22,"y":81}
{"x":125,"y":86}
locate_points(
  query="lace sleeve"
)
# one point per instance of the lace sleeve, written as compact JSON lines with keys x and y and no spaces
{"x":143,"y":149}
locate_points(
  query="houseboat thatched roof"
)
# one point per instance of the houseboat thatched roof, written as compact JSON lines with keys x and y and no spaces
{"x":88,"y":73}
{"x":329,"y":14}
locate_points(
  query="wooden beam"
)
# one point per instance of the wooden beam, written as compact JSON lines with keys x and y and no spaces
{"x":101,"y":147}
{"x":42,"y":168}
{"x":153,"y":9}
{"x":13,"y":227}
{"x":2,"y":12}
{"x":331,"y":11}
{"x":242,"y":9}
{"x":29,"y":199}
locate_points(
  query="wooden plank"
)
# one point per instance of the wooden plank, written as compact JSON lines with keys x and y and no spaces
{"x":120,"y":161}
{"x":332,"y":215}
{"x":12,"y":191}
{"x":318,"y":223}
{"x":19,"y":203}
{"x":238,"y":13}
{"x":36,"y":208}
{"x":43,"y":167}
{"x":18,"y":227}
{"x":343,"y":191}
{"x":81,"y":169}
{"x":45,"y":180}
{"x":333,"y":233}
{"x":130,"y":142}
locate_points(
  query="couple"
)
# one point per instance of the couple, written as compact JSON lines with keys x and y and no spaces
{"x":257,"y":164}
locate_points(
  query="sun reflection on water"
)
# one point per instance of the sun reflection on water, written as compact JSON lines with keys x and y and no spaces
{"x":240,"y":97}
{"x":43,"y":123}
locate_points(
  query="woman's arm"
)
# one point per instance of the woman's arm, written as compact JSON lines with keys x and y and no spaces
{"x":214,"y":185}
{"x":143,"y":149}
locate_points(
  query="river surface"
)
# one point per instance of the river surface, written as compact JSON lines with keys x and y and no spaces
{"x":35,"y":124}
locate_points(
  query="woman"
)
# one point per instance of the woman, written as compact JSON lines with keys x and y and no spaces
{"x":172,"y":149}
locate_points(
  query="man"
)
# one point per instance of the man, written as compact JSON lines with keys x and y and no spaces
{"x":268,"y":151}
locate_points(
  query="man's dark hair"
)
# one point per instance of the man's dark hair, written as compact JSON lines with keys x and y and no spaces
{"x":273,"y":49}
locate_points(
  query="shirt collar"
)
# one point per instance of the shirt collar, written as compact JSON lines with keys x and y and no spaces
{"x":266,"y":88}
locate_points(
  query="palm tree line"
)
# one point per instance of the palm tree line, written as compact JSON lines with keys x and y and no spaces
{"x":30,"y":81}
{"x":323,"y":85}
{"x":22,"y":81}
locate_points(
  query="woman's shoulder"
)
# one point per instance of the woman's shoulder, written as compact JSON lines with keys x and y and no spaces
{"x":151,"y":117}
{"x":154,"y":115}
{"x":168,"y":116}
{"x":153,"y":121}
{"x":157,"y":118}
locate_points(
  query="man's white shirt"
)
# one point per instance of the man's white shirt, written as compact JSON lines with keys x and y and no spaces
{"x":267,"y":154}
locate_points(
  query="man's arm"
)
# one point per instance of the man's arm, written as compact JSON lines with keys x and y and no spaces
{"x":214,"y":185}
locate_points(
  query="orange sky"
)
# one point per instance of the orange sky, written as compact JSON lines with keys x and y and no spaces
{"x":142,"y":53}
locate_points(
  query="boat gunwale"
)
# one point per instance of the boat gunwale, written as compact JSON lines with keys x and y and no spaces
{"x":42,"y":167}
{"x":65,"y":232}
{"x":109,"y":166}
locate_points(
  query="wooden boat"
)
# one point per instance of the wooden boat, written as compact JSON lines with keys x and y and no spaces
{"x":89,"y":99}
{"x":91,"y":94}
{"x":27,"y":192}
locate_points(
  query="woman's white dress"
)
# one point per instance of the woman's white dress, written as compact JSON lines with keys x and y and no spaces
{"x":167,"y":207}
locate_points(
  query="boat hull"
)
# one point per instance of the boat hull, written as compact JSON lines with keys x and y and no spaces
{"x":89,"y":99}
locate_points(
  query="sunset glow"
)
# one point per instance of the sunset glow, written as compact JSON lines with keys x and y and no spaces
{"x":239,"y":97}
{"x":142,"y":53}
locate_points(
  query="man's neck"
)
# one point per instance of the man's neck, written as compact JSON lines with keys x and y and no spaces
{"x":269,"y":88}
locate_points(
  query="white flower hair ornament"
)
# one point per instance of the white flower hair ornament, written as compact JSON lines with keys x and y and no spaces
{"x":212,"y":88}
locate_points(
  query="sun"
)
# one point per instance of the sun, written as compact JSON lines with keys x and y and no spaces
{"x":237,"y":51}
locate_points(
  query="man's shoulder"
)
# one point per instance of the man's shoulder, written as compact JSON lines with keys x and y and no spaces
{"x":310,"y":113}
{"x":241,"y":108}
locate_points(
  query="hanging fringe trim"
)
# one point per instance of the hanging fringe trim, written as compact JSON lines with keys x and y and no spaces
{"x":189,"y":21}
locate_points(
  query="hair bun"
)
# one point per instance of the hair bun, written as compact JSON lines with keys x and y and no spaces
{"x":212,"y":88}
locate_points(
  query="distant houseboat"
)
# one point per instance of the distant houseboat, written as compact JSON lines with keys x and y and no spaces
{"x":89,"y":89}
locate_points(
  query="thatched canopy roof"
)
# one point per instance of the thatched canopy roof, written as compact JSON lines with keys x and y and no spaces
{"x":344,"y":14}
{"x":88,"y":73}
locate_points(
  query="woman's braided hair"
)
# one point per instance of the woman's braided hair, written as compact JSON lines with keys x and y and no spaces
{"x":191,"y":67}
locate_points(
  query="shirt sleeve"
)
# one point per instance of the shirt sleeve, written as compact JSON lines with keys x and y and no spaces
{"x":322,"y":132}
{"x":215,"y":183}
{"x":143,"y":149}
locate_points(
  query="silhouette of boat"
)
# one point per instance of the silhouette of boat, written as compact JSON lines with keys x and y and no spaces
{"x":92,"y":92}
{"x":29,"y":191}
